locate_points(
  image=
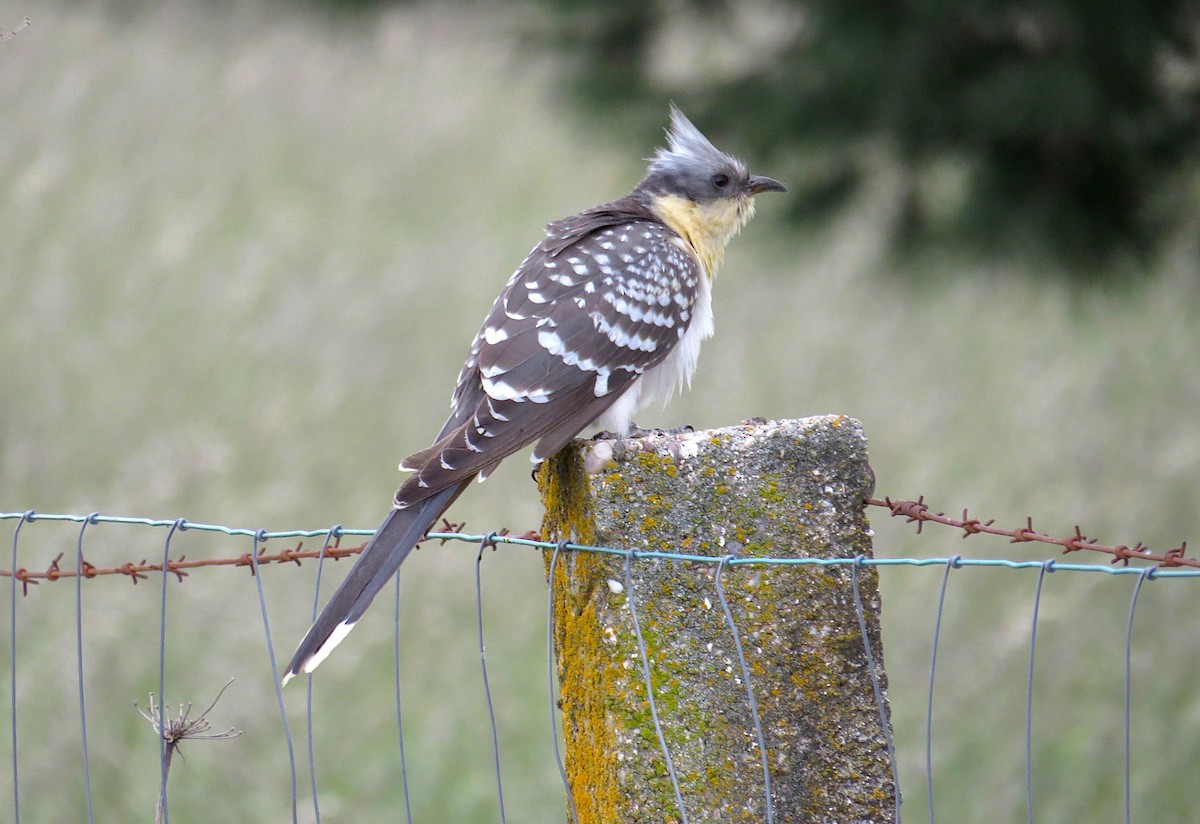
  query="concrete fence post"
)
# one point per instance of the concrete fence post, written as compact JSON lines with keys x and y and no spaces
{"x":787,"y":489}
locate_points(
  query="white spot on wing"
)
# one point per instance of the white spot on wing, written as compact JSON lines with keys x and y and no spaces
{"x":501,"y":391}
{"x":493,"y":335}
{"x":550,"y":341}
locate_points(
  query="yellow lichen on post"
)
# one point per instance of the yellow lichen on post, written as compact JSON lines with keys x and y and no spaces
{"x":591,"y":752}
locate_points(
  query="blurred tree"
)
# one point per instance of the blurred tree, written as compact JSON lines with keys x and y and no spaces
{"x":1062,"y":126}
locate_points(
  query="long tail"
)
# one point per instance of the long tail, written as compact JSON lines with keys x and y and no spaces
{"x":392,"y":542}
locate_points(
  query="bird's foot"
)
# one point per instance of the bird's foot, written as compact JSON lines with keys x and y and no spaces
{"x":636,"y":431}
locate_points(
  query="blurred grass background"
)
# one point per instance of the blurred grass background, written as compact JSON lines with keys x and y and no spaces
{"x":243,"y":247}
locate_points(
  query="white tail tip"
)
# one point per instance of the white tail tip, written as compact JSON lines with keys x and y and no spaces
{"x":313,"y":661}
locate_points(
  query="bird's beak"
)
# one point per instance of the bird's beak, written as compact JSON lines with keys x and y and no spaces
{"x":757,"y":184}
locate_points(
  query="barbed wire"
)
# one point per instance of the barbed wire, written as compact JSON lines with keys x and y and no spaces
{"x":1173,"y":561}
{"x":138,"y":570}
{"x":916,"y":511}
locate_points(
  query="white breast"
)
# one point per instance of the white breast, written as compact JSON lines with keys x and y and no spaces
{"x":660,"y":383}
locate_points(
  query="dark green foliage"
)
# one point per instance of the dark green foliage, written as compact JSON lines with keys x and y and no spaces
{"x":1054,"y":126}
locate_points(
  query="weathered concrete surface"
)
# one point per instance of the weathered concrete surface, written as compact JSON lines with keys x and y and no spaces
{"x":763,"y":489}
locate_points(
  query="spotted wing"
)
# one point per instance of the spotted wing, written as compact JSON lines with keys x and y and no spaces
{"x":588,"y":312}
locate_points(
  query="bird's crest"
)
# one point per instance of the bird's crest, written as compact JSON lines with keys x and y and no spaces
{"x":687,"y":147}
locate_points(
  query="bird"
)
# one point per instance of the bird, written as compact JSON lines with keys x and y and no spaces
{"x":603,"y":317}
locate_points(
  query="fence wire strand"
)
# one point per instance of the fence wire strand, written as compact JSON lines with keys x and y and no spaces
{"x":408,"y":816}
{"x":164,"y":760}
{"x":1047,"y":566}
{"x":758,"y":733}
{"x":1148,"y":572}
{"x":873,"y":670}
{"x":79,"y":573}
{"x":487,"y":541}
{"x":257,"y":538}
{"x":331,"y":535}
{"x":558,"y":759}
{"x":641,"y":645}
{"x":952,"y":563}
{"x":26,"y":517}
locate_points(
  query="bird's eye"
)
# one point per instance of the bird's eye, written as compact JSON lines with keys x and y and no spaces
{"x":720,"y":180}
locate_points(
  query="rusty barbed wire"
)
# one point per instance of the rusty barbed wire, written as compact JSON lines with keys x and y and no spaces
{"x":139,"y":571}
{"x":915,"y":511}
{"x":918,"y":512}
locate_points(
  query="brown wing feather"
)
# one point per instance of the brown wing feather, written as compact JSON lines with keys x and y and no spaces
{"x":594,"y":306}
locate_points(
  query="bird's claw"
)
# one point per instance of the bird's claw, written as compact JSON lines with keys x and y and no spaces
{"x":636,"y":431}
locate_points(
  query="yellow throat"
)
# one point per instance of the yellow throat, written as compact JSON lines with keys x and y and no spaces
{"x":707,"y":227}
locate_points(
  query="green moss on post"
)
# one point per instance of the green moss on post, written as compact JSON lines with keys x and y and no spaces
{"x":769,"y":489}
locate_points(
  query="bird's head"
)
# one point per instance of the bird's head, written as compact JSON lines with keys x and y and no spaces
{"x":699,"y":191}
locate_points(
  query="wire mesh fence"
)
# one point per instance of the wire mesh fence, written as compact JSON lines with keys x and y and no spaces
{"x":100,"y":553}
